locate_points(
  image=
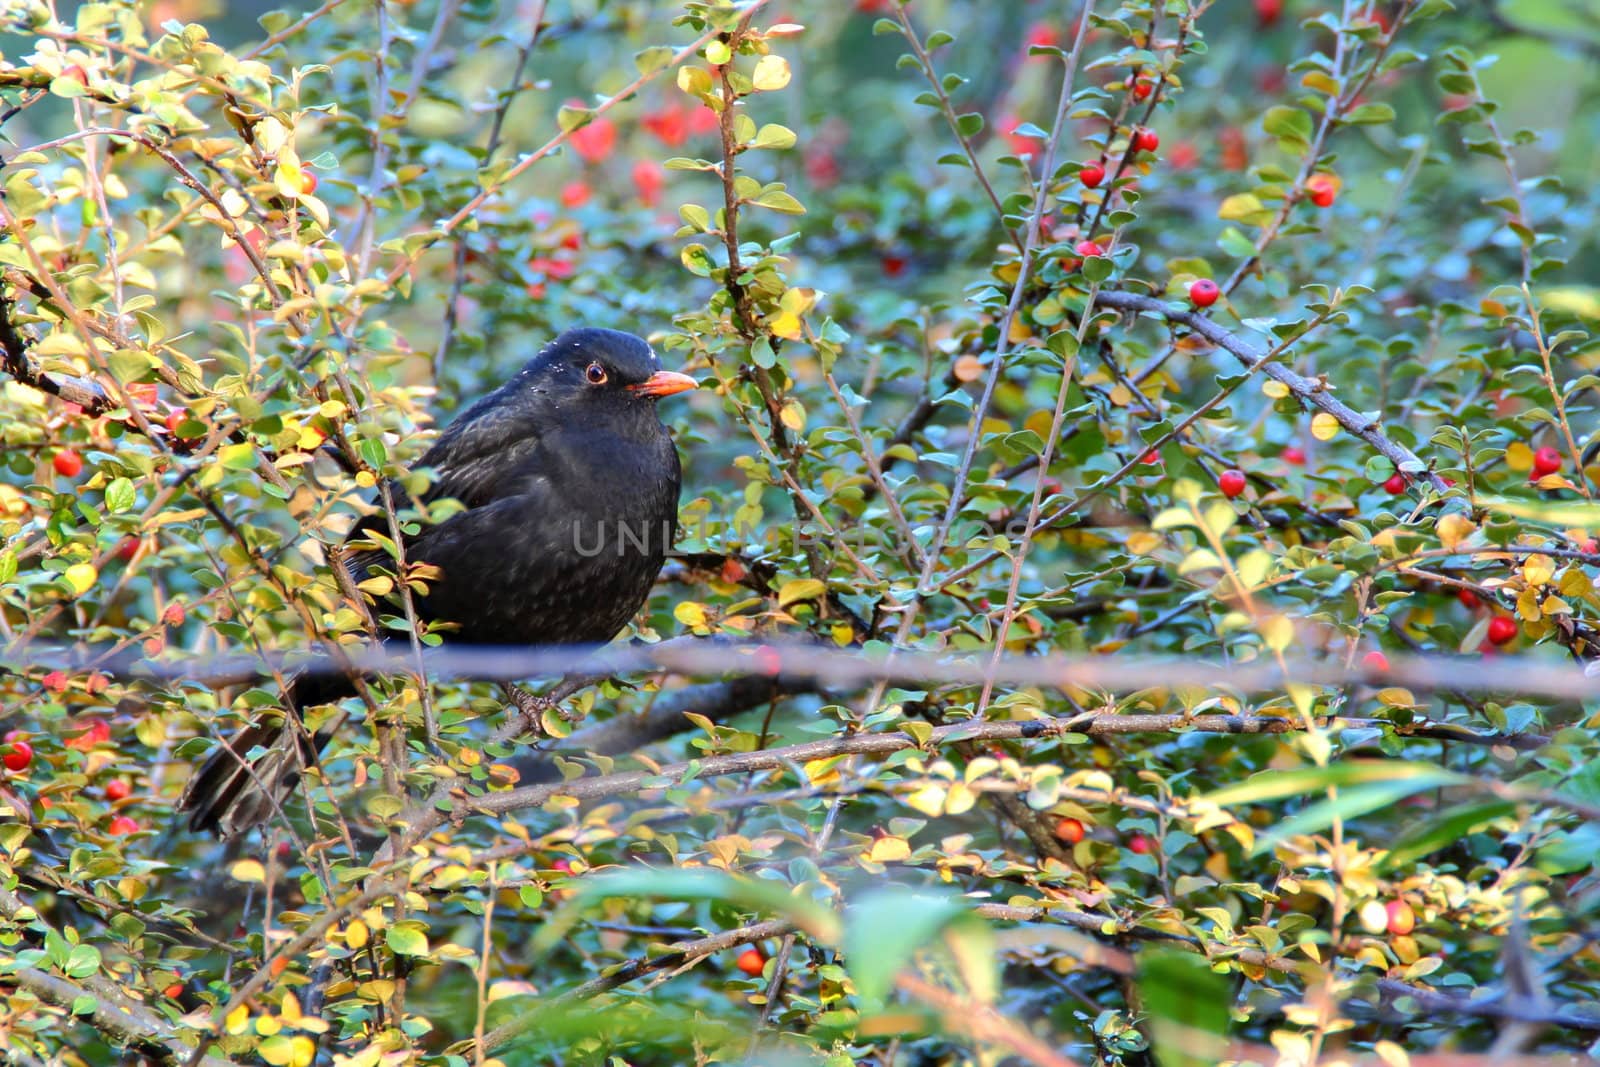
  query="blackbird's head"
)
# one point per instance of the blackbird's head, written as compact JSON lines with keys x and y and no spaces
{"x":600,"y":370}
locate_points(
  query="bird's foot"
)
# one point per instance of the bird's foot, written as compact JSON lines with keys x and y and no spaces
{"x":532,"y":707}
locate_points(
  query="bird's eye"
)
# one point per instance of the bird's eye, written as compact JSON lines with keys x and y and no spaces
{"x":595,"y":373}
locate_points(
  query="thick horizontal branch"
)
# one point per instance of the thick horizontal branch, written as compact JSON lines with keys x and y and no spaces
{"x":1308,"y":390}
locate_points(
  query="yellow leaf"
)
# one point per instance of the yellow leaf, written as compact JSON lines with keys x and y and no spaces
{"x":1453,"y":529}
{"x":1538,"y":569}
{"x":378,"y":586}
{"x":889,"y":850}
{"x":960,"y":799}
{"x":356,"y":934}
{"x":1143,"y":542}
{"x":820,"y":771}
{"x":771,"y":73}
{"x":799,"y":589}
{"x":1274,"y":389}
{"x":690,"y":614}
{"x":1278,"y":632}
{"x":793,"y":416}
{"x":1392,"y":1054}
{"x":1519,"y":457}
{"x":1321,"y":82}
{"x":694,"y":80}
{"x":785,"y":324}
{"x":238,"y":1019}
{"x":81,"y":576}
{"x":1239,"y":207}
{"x":1324,"y":427}
{"x":929,"y":800}
{"x":249,"y":871}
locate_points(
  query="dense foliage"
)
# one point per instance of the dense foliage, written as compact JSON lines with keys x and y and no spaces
{"x":1193,"y":398}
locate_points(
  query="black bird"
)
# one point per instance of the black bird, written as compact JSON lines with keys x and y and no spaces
{"x":570,"y":487}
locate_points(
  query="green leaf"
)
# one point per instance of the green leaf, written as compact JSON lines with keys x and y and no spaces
{"x":702,"y":883}
{"x":1275,"y":785}
{"x":781,"y":202}
{"x":650,"y":60}
{"x":1370,"y":114}
{"x":407,"y":938}
{"x":569,"y":118}
{"x":119,"y":495}
{"x":82,"y":962}
{"x":1348,"y":803}
{"x":773,"y":135}
{"x":1186,"y":1002}
{"x":1554,"y":512}
{"x":1443,"y":830}
{"x":884,"y":929}
{"x":1288,"y":124}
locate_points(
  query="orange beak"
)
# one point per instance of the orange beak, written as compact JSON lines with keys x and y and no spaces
{"x":664,"y":383}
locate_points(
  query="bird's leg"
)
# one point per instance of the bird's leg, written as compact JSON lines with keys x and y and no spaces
{"x":531,"y":706}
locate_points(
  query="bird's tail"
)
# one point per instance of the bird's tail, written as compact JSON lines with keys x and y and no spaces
{"x":233,"y":791}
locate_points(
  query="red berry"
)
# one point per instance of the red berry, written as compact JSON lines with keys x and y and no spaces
{"x":1396,"y":483}
{"x":1545,"y":461}
{"x":1140,"y":844}
{"x":1293,"y":454}
{"x":1092,"y":175}
{"x":68,"y":463}
{"x":19,"y":757}
{"x":308,"y":181}
{"x":648,"y":181}
{"x":1469,"y":599}
{"x":1042,"y":35}
{"x":1375,"y":661}
{"x":122,"y":825}
{"x":562,"y":866}
{"x":1203,"y":293}
{"x":118,"y":789}
{"x":1088,"y":248}
{"x":575,"y":194}
{"x":1145,"y":141}
{"x":173,"y":991}
{"x":1590,"y":547}
{"x":1402,"y":920}
{"x":173,"y":615}
{"x":751,"y":962}
{"x":893,"y":265}
{"x":1142,"y":88}
{"x":127,"y":548}
{"x":1069,"y":830}
{"x":1322,"y":189}
{"x":1231,"y":483}
{"x":1502,"y":629}
{"x":55,"y":681}
{"x":1268,"y":11}
{"x":1151,"y":458}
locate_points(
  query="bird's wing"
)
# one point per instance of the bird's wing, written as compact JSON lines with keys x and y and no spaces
{"x":478,"y":459}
